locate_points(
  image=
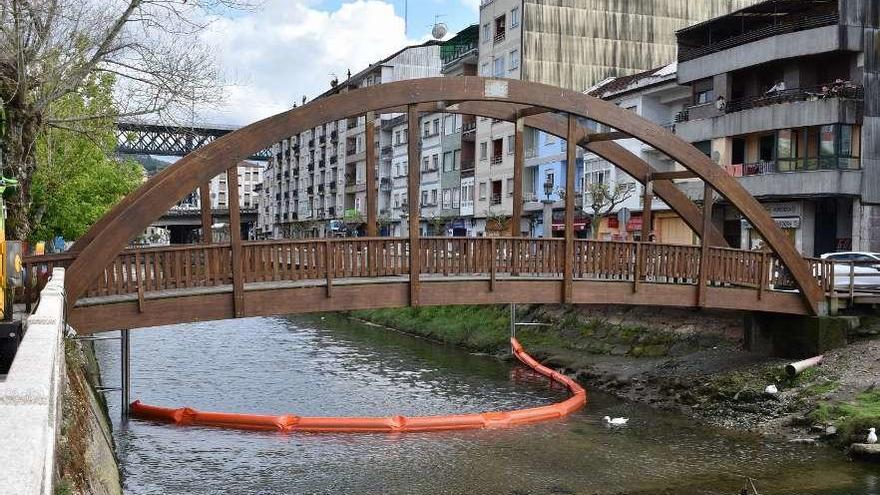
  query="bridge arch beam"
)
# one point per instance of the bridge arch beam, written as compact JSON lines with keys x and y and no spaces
{"x":196,"y":168}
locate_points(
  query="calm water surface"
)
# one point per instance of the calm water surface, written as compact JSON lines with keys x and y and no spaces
{"x":311,"y":366}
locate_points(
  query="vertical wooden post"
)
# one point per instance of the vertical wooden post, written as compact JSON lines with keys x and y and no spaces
{"x":372,"y":192}
{"x":518,"y":164}
{"x":571,"y":168}
{"x":762,"y":274}
{"x":207,"y":218}
{"x":493,"y":258}
{"x":414,"y":179}
{"x":29,"y":280}
{"x":235,"y":241}
{"x":638,"y":267}
{"x":708,"y":201}
{"x":647,"y":201}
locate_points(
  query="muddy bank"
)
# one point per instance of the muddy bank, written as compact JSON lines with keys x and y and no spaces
{"x":86,"y":459}
{"x":690,"y":361}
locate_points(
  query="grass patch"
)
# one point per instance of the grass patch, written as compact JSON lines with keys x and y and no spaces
{"x":852,"y":418}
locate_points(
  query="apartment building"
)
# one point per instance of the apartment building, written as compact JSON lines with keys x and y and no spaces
{"x":573,"y":44}
{"x":656,"y":96}
{"x":320,"y":175}
{"x":786,"y":97}
{"x":250,"y":179}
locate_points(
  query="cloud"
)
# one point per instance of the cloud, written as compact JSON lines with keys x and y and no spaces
{"x":289,"y":49}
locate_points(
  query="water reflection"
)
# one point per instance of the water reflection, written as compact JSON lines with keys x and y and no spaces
{"x":337,"y":367}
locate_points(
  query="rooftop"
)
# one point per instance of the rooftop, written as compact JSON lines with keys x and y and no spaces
{"x":618,"y":85}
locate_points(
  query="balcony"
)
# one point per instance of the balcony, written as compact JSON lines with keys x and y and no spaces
{"x":333,"y":160}
{"x":496,"y":160}
{"x":310,"y":190}
{"x":753,"y":24}
{"x":499,"y":37}
{"x":386,"y":151}
{"x":331,"y":212}
{"x":350,"y":151}
{"x":385,"y":184}
{"x":495,"y":199}
{"x":801,"y":107}
{"x":321,"y":188}
{"x":333,"y":186}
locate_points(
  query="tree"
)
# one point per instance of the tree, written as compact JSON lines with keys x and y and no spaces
{"x":78,"y":179}
{"x":604,"y":199}
{"x":49,"y":50}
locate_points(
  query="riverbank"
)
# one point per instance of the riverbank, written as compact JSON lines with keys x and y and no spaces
{"x":682,"y":360}
{"x":86,"y":460}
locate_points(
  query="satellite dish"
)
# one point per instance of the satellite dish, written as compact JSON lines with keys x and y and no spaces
{"x":439,"y":30}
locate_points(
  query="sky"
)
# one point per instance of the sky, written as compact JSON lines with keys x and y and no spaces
{"x":286,"y":49}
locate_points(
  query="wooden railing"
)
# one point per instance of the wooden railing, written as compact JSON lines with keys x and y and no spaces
{"x":140,"y":270}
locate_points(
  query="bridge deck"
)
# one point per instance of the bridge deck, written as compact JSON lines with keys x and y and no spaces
{"x":171,"y":284}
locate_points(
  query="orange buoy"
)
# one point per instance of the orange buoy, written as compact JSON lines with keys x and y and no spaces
{"x":290,"y":423}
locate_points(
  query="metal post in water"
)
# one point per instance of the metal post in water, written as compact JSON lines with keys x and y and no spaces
{"x":512,"y":320}
{"x":125,"y":351}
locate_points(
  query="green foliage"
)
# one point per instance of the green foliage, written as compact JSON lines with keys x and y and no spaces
{"x":852,"y":418}
{"x":77,"y":178}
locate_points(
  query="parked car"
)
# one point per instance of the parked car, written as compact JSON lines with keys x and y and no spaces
{"x":865,"y":269}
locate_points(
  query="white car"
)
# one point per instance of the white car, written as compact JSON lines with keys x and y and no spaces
{"x":865,"y":270}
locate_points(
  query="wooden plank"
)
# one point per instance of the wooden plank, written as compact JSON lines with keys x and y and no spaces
{"x":708,"y":200}
{"x":647,"y":214}
{"x":571,"y":162}
{"x":328,"y":272}
{"x":676,"y":174}
{"x":414,"y":176}
{"x":207,"y":218}
{"x":235,"y":241}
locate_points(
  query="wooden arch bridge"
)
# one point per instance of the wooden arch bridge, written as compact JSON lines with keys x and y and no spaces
{"x":112,"y":286}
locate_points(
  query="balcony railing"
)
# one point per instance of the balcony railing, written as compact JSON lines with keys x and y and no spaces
{"x":791,"y":24}
{"x":844,"y":90}
{"x":793,"y":165}
{"x":497,"y":159}
{"x":495,"y":199}
{"x":499,"y":37}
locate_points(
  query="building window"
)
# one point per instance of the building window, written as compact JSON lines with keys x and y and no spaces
{"x":514,"y":60}
{"x":456,"y":160}
{"x":510,"y":187}
{"x":424,"y":198}
{"x":425,"y":164}
{"x":705,"y":147}
{"x":511,"y":144}
{"x":436,"y":126}
{"x":435,"y":162}
{"x":447,"y":198}
{"x":499,"y":67}
{"x":514,"y":17}
{"x":484,"y":70}
{"x":483,"y":150}
{"x":482,"y":191}
{"x":487,"y":32}
{"x":427,"y":129}
{"x":448,"y":164}
{"x":449,"y":124}
{"x":433,"y":196}
{"x":704,"y":92}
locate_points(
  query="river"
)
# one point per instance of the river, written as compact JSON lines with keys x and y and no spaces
{"x":334,"y":366}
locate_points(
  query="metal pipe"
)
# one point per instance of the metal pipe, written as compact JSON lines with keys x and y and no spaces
{"x":125,"y":350}
{"x":795,"y":369}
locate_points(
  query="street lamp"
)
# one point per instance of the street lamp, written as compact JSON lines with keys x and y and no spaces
{"x":548,"y":208}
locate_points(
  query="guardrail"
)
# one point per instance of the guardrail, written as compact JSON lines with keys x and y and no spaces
{"x":30,"y":398}
{"x":144,"y":270}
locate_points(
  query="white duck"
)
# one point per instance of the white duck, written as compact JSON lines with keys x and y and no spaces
{"x":616,"y":421}
{"x":872,"y":436}
{"x":771,"y":389}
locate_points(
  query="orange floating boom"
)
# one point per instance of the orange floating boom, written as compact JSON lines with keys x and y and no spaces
{"x":289,"y":423}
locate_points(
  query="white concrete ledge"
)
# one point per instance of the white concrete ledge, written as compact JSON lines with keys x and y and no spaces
{"x":30,"y":398}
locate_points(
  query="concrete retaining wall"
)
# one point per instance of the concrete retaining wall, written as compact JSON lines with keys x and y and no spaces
{"x":30,"y":398}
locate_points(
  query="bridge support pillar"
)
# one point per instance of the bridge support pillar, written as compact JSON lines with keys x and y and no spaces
{"x":795,"y":336}
{"x":125,"y":371}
